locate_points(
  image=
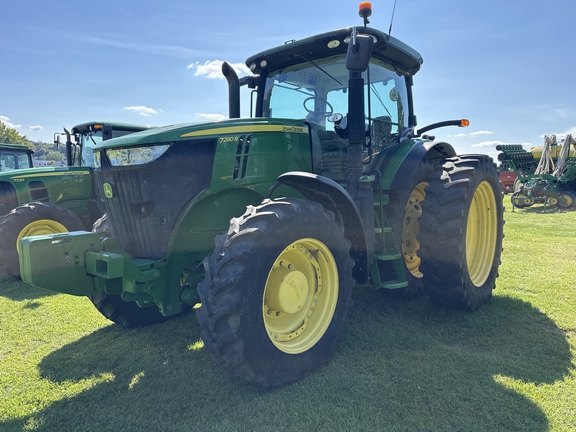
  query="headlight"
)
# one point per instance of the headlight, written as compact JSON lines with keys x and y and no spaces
{"x":135,"y":155}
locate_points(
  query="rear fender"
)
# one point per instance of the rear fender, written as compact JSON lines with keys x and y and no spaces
{"x":333,"y":197}
{"x":397,"y":174}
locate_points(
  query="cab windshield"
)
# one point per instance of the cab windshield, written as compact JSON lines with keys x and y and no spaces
{"x":11,"y":160}
{"x":89,"y":140}
{"x":315,"y":91}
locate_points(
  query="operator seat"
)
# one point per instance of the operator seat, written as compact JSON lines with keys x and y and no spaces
{"x":381,"y":134}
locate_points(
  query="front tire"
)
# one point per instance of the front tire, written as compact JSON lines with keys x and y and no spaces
{"x":36,"y":218}
{"x":277,"y":292}
{"x":461,"y":233}
{"x":113,"y":308}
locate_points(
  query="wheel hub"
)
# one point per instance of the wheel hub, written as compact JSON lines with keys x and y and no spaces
{"x":291,"y":292}
{"x":300,"y":295}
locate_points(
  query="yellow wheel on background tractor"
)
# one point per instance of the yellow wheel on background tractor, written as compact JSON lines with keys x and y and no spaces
{"x":32,"y":219}
{"x":40,"y":227}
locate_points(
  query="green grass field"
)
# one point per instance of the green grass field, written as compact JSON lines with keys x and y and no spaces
{"x":401,"y":366}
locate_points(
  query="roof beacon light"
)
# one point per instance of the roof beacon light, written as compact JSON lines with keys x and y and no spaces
{"x":464,"y":123}
{"x":365,"y":10}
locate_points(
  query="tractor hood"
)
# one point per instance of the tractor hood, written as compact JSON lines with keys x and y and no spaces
{"x":196,"y":130}
{"x":44,"y":172}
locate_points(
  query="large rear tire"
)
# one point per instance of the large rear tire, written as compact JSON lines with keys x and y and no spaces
{"x":461,"y":233}
{"x":404,"y":210}
{"x":36,"y":218}
{"x":277,"y":292}
{"x":8,"y":198}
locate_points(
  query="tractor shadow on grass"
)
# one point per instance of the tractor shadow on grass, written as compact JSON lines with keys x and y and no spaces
{"x":401,"y":366}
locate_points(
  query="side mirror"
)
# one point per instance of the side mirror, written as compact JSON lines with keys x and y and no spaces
{"x":359,"y":52}
{"x":106,"y":132}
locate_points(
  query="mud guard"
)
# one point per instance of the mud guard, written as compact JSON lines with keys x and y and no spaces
{"x":333,"y":197}
{"x":401,"y":175}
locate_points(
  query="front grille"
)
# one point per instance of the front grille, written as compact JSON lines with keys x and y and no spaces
{"x":147,"y":199}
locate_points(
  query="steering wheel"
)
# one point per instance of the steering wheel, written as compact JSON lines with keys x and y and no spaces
{"x":314,"y":98}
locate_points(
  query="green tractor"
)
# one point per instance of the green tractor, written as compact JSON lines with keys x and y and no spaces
{"x":545,"y":175}
{"x":48,"y":200}
{"x":14,"y":157}
{"x":269,"y":222}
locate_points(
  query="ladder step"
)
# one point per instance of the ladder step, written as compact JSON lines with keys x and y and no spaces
{"x":381,"y":230}
{"x":394,"y":284}
{"x":389,"y":257}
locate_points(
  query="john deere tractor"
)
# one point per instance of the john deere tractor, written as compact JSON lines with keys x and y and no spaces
{"x":269,"y":222}
{"x":15,"y":157}
{"x":48,"y":200}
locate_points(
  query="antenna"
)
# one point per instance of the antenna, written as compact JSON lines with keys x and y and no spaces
{"x":392,"y":19}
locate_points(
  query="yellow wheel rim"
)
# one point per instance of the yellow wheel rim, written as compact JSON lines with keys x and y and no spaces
{"x":411,"y":229}
{"x":522,"y":199}
{"x":40,"y":227}
{"x":552,"y":201}
{"x":300,"y":296}
{"x":481,"y":234}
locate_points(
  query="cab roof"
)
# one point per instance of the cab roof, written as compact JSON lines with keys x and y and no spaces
{"x":87,"y":127}
{"x":19,"y":147}
{"x":386,"y":47}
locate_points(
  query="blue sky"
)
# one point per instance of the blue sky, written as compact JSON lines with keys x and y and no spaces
{"x":506,"y":65}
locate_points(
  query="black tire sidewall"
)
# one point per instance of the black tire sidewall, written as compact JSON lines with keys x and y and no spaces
{"x":484,"y":292}
{"x":19,"y":218}
{"x":260,"y":350}
{"x":232,"y":292}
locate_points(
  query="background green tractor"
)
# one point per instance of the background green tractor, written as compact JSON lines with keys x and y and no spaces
{"x":546,"y":174}
{"x":14,"y":157}
{"x":268,"y":222}
{"x":48,"y":200}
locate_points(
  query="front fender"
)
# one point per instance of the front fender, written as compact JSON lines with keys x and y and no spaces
{"x":333,"y":197}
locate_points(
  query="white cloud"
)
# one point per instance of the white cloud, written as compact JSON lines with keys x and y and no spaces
{"x":8,"y":123}
{"x":212,"y":69}
{"x":35,"y":128}
{"x":481,"y":132}
{"x":460,"y":135}
{"x":142,"y":110}
{"x":211,"y":117}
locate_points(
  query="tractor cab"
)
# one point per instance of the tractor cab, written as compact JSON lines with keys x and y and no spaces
{"x":15,"y":157}
{"x":309,"y":80}
{"x":81,"y":140}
